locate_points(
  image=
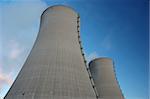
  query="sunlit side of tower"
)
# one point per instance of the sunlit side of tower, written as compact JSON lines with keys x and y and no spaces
{"x":103,"y":74}
{"x":55,"y":67}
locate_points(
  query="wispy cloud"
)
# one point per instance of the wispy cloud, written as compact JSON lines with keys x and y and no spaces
{"x":5,"y":78}
{"x":107,"y":42}
{"x":15,"y":50}
{"x":91,"y":56}
{"x":105,"y":46}
{"x":18,"y":29}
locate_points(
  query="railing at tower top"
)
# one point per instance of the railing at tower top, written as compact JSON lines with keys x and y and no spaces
{"x":89,"y":73}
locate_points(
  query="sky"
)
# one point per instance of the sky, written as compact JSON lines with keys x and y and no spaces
{"x":118,"y":29}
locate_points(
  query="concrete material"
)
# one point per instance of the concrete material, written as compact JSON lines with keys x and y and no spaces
{"x":103,"y":74}
{"x":55,"y":67}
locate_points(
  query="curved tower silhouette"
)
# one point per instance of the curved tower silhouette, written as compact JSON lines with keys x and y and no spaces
{"x":103,"y":74}
{"x":55,"y":67}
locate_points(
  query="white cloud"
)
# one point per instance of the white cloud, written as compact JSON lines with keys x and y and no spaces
{"x":91,"y":56}
{"x":15,"y":50}
{"x":5,"y":78}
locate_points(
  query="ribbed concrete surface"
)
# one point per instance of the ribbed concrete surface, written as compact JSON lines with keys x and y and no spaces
{"x":103,"y":74}
{"x":55,"y":68}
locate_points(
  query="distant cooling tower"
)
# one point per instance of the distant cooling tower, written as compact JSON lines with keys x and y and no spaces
{"x":102,"y":71}
{"x":55,"y":67}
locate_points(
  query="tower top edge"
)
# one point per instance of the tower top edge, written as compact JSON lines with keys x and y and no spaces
{"x":60,"y":7}
{"x":102,"y":59}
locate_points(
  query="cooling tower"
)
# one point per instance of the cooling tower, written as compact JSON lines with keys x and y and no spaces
{"x":55,"y":67}
{"x":103,"y":74}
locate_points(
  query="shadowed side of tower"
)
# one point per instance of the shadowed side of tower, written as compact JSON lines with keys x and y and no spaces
{"x":103,"y":74}
{"x":55,"y":67}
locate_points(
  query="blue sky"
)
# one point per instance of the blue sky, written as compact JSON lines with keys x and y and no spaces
{"x":118,"y":29}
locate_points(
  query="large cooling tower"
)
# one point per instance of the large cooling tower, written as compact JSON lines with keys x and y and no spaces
{"x":103,"y":74}
{"x":55,"y":67}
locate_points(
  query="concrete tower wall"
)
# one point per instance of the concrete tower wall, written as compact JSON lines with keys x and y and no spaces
{"x":103,"y":74}
{"x":55,"y":68}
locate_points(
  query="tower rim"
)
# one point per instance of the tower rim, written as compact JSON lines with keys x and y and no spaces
{"x":101,"y":58}
{"x":60,"y":5}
